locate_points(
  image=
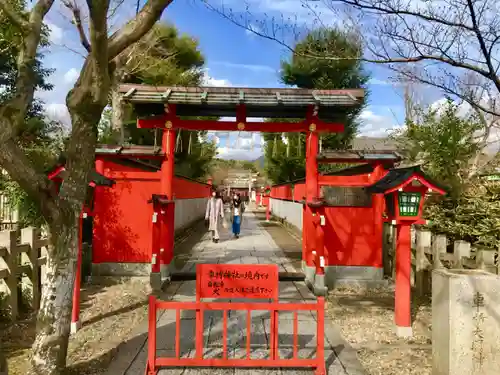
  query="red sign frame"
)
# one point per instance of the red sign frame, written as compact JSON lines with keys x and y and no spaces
{"x":256,"y":281}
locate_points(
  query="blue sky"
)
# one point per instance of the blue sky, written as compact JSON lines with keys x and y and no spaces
{"x":234,"y":56}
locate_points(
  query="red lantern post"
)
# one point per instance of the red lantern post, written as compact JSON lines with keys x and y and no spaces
{"x":404,"y":190}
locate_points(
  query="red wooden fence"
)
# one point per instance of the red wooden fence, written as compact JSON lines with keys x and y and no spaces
{"x":235,"y":281}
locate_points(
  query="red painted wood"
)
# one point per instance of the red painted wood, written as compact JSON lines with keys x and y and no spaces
{"x":123,"y":219}
{"x":419,"y":178}
{"x":318,"y":363}
{"x":351,"y":237}
{"x":151,"y":365}
{"x":312,"y":193}
{"x":403,"y":270}
{"x":168,"y":163}
{"x":237,"y":281}
{"x":359,"y":180}
{"x":278,"y":127}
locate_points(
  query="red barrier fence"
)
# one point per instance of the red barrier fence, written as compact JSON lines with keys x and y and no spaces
{"x":236,"y":281}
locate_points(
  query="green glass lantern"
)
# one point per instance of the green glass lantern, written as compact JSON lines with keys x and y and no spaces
{"x":409,"y":203}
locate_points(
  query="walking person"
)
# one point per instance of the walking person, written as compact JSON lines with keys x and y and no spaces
{"x":214,"y":215}
{"x":237,"y":209}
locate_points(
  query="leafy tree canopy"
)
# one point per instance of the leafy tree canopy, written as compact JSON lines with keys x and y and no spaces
{"x":40,"y":138}
{"x":284,"y":159}
{"x":446,"y":144}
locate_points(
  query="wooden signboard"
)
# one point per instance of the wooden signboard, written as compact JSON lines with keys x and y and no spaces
{"x":341,"y":196}
{"x":237,"y":281}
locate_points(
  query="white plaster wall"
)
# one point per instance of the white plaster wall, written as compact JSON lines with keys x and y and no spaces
{"x":287,"y":210}
{"x":189,"y":210}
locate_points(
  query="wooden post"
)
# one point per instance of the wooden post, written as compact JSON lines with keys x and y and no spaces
{"x":403,"y":286}
{"x":8,"y":239}
{"x":30,"y":236}
{"x":422,"y":263}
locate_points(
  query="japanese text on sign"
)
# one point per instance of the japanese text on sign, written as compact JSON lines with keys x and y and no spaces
{"x":237,"y":281}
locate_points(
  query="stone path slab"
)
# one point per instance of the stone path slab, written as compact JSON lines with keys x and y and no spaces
{"x":255,"y":246}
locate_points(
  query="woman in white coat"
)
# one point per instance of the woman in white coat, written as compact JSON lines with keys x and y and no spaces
{"x":214,"y":215}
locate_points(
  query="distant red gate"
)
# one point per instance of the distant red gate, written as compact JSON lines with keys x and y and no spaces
{"x":236,"y":281}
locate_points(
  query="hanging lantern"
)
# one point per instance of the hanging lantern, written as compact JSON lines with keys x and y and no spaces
{"x":409,"y":203}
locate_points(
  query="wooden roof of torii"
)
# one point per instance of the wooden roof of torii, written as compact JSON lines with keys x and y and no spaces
{"x":324,"y":107}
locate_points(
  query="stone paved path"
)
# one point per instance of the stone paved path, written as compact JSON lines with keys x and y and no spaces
{"x":255,"y":246}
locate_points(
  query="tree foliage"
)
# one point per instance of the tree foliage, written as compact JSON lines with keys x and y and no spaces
{"x":285,"y":153}
{"x":162,"y":57}
{"x":40,"y":138}
{"x":444,"y":142}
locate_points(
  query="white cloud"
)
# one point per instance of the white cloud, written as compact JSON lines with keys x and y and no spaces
{"x":376,"y":125}
{"x":56,"y":33}
{"x":211,"y":81}
{"x":58,"y":112}
{"x":239,"y":154}
{"x":71,"y":75}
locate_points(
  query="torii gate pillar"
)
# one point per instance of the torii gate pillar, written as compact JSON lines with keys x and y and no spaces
{"x":312,"y":194}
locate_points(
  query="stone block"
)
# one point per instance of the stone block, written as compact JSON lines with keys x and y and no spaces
{"x":465,"y":322}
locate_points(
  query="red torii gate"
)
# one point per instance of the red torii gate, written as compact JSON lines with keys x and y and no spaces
{"x":166,"y":108}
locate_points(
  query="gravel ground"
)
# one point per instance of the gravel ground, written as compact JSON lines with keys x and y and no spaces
{"x":366,"y":319}
{"x":110,"y":312}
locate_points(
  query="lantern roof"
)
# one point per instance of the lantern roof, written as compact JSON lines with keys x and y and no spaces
{"x":398,"y":178}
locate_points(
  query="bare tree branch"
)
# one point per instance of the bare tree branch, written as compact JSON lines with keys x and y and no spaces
{"x":399,"y":9}
{"x":454,"y":38}
{"x":138,"y":27}
{"x":77,"y":21}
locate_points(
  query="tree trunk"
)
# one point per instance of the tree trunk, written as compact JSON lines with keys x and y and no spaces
{"x":117,"y":113}
{"x":54,"y":317}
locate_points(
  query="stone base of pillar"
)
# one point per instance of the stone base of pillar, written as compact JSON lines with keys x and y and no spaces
{"x":75,"y":326}
{"x":155,"y":281}
{"x":404,"y":331}
{"x":320,"y":288}
{"x":309,"y":272}
{"x":165,"y":273}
